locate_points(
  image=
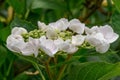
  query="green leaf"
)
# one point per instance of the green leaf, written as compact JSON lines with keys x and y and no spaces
{"x":46,"y":4}
{"x":115,"y":23}
{"x":18,"y":5}
{"x":93,"y":71}
{"x":117,"y":4}
{"x":21,"y":76}
{"x":3,"y":55}
{"x":4,"y":33}
{"x":22,"y":23}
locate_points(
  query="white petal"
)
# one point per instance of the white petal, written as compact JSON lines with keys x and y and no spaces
{"x":76,"y":26}
{"x":60,"y":25}
{"x":51,"y":34}
{"x":108,"y":33}
{"x":72,"y":49}
{"x":65,"y":46}
{"x":88,"y":30}
{"x":18,"y":30}
{"x":95,"y":39}
{"x":106,"y":29}
{"x":27,"y":49}
{"x":42,"y":38}
{"x":78,"y":40}
{"x":42,"y":26}
{"x":49,"y":46}
{"x":112,"y":38}
{"x":58,"y":42}
{"x":31,"y":47}
{"x":15,"y":42}
{"x":47,"y":51}
{"x":94,"y":29}
{"x":103,"y":48}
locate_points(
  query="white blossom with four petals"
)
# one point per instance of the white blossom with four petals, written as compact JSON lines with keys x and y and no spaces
{"x":101,"y":37}
{"x":48,"y":46}
{"x":76,"y":26}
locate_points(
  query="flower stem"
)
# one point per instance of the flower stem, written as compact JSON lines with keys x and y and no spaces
{"x":37,"y":67}
{"x":48,"y":69}
{"x":62,"y":69}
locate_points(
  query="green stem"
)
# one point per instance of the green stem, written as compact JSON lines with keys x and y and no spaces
{"x":62,"y":69}
{"x":27,"y":13}
{"x":55,"y":69}
{"x":10,"y":66}
{"x":37,"y":67}
{"x":48,"y":69}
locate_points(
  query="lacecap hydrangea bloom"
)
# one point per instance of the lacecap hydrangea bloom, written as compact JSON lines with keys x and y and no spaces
{"x":60,"y":36}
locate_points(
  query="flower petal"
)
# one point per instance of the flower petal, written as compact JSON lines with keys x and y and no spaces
{"x":31,"y":47}
{"x":103,"y":48}
{"x":95,"y":39}
{"x":48,"y":47}
{"x":42,"y":26}
{"x":108,"y":33}
{"x":15,"y":43}
{"x":78,"y":40}
{"x":51,"y":34}
{"x":65,"y":46}
{"x":76,"y":26}
{"x":18,"y":30}
{"x":72,"y":49}
{"x":94,"y":29}
{"x":60,"y":25}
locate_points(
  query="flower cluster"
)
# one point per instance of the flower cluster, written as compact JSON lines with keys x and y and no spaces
{"x":60,"y":36}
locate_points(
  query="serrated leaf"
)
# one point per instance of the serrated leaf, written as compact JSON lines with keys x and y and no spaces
{"x":93,"y":71}
{"x":22,"y":23}
{"x":46,"y":4}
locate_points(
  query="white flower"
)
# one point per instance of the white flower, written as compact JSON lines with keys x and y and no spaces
{"x":97,"y":40}
{"x":15,"y":43}
{"x":60,"y":25}
{"x":18,"y":30}
{"x":48,"y":46}
{"x":78,"y":40}
{"x":76,"y":26}
{"x":65,"y":46}
{"x":108,"y":33}
{"x":31,"y":47}
{"x":42,"y":26}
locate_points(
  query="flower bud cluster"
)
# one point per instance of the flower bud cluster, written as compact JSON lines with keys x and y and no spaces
{"x":60,"y":36}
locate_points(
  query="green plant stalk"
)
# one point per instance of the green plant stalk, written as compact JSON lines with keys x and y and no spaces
{"x":62,"y":69}
{"x":10,"y":66}
{"x":48,"y":68}
{"x":37,"y":67}
{"x":55,"y":69}
{"x":27,"y":13}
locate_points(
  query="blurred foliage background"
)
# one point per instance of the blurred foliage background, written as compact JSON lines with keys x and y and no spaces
{"x":26,"y":13}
